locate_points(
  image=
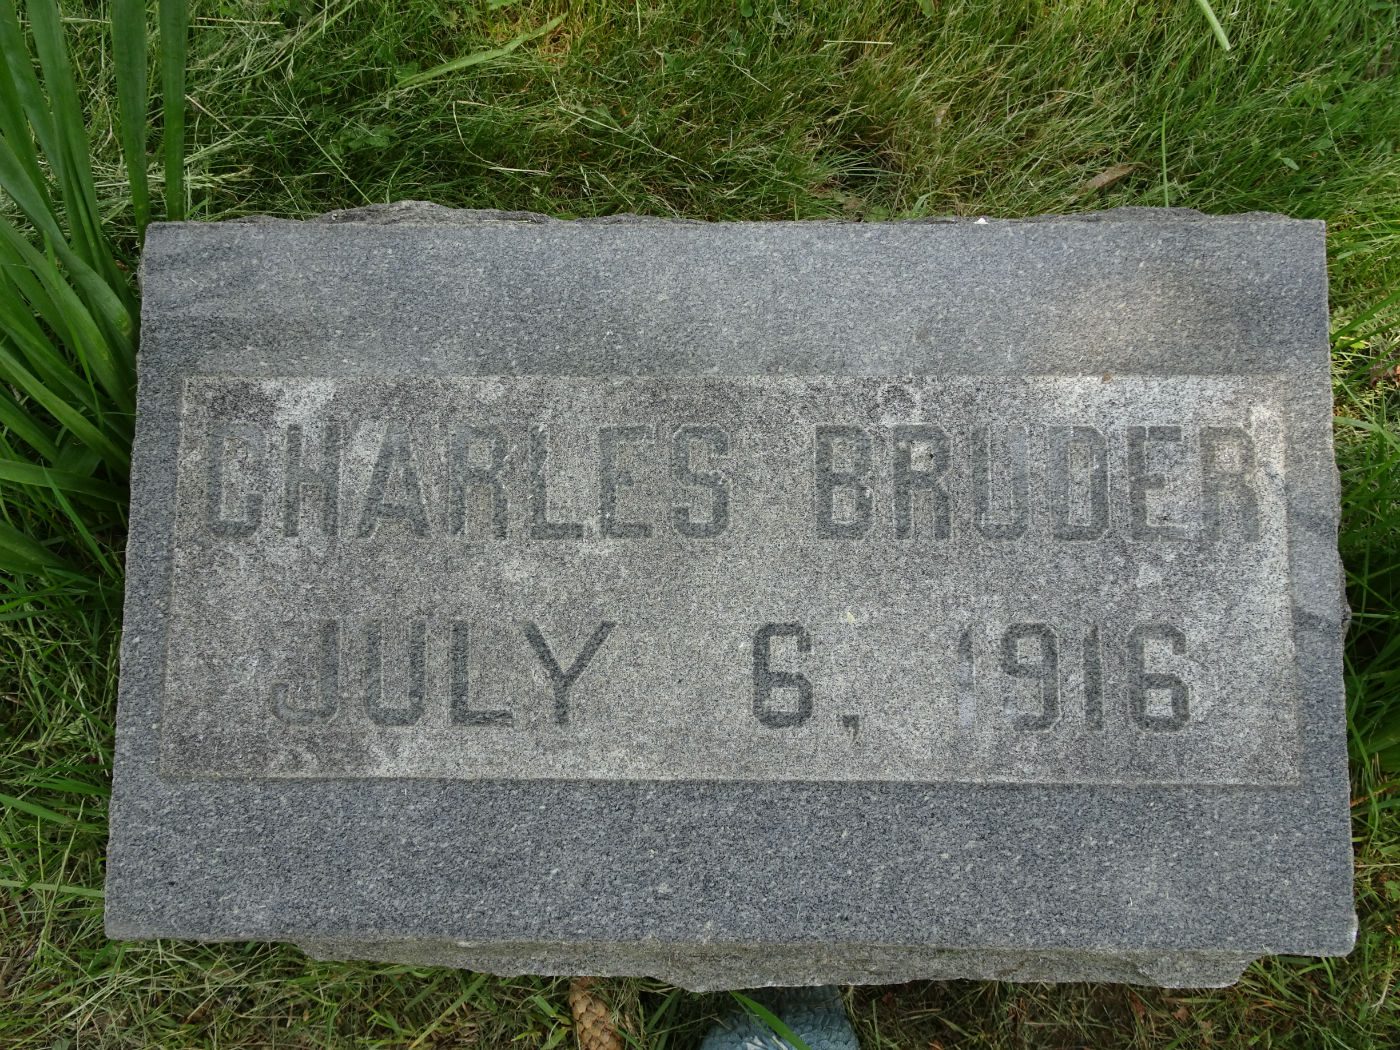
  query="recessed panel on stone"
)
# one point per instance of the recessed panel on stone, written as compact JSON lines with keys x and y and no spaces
{"x":1021,"y":579}
{"x":740,"y":603}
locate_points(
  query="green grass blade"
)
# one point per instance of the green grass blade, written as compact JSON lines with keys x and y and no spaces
{"x":14,"y":130}
{"x":70,"y":157}
{"x":95,"y":893}
{"x":107,"y":566}
{"x":1215,"y":26}
{"x":129,"y":56}
{"x":65,"y":312}
{"x":113,"y":452}
{"x":91,"y":346}
{"x":19,"y":473}
{"x":1379,"y":431}
{"x":36,"y":810}
{"x":19,"y":72}
{"x":20,"y":603}
{"x":27,"y":194}
{"x":17,"y":421}
{"x":772,"y":1020}
{"x":104,"y":305}
{"x":115,"y":312}
{"x":20,"y":554}
{"x":1360,"y":319}
{"x":174,"y":28}
{"x":23,"y":302}
{"x":479,"y":57}
{"x":70,"y":786}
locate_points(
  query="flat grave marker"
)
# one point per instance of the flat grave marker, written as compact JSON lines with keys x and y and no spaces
{"x":737,"y":603}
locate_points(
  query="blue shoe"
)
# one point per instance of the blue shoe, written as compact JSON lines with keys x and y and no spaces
{"x":817,"y":1016}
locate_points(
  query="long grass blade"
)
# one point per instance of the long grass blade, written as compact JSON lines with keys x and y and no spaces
{"x":58,"y":127}
{"x":65,"y":313}
{"x":34,"y":809}
{"x":19,"y":553}
{"x":71,"y":163}
{"x":113,"y":452}
{"x":108,"y":566}
{"x":1347,"y":330}
{"x":772,"y":1020}
{"x":18,"y":422}
{"x":18,"y":70}
{"x":129,"y":56}
{"x":70,"y":786}
{"x":18,"y":473}
{"x":24,"y":604}
{"x":27,"y":194}
{"x":479,"y":57}
{"x":22,"y":301}
{"x":94,"y":893}
{"x":14,"y":130}
{"x":113,"y":310}
{"x":174,"y":28}
{"x":1215,"y":26}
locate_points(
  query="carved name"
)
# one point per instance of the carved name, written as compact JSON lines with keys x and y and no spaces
{"x":492,"y":482}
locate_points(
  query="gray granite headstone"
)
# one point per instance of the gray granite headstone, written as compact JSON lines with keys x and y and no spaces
{"x":739,"y":604}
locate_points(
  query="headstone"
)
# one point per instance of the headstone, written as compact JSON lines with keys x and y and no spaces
{"x":739,"y":604}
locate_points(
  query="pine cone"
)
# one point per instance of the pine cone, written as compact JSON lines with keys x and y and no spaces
{"x":593,"y":1022}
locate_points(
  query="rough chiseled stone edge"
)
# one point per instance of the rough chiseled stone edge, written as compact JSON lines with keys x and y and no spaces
{"x":719,"y":967}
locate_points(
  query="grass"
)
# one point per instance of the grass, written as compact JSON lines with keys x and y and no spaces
{"x":745,"y":109}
